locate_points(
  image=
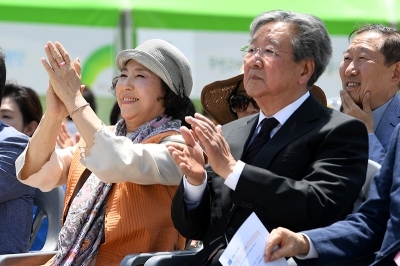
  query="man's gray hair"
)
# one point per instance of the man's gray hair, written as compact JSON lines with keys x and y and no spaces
{"x":311,"y":40}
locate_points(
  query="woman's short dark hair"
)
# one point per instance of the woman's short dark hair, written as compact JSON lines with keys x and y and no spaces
{"x":27,"y":100}
{"x":175,"y":106}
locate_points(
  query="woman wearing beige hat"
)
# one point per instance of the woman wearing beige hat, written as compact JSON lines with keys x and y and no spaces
{"x":227,"y":100}
{"x":120,"y":180}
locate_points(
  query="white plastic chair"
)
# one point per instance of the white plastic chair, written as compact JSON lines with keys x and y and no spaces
{"x":372,"y":168}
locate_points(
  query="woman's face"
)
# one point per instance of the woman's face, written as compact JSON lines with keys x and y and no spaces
{"x":11,"y":115}
{"x":250,"y":109}
{"x":138,"y":93}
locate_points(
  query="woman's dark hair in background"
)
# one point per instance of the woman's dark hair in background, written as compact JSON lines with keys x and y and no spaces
{"x":3,"y":72}
{"x":175,"y":106}
{"x":115,"y":114}
{"x":89,"y":96}
{"x":27,"y":100}
{"x":234,"y":92}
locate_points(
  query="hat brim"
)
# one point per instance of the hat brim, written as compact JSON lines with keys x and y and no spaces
{"x":319,"y":94}
{"x":215,"y":98}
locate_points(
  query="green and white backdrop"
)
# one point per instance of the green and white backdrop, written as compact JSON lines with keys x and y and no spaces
{"x":209,"y":32}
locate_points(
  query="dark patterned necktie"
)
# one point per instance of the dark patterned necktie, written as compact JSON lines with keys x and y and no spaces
{"x":260,"y":140}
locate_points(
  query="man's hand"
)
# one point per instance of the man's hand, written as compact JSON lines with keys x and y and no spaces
{"x":189,"y":157}
{"x":352,"y":109}
{"x":290,"y":244}
{"x":214,"y":144}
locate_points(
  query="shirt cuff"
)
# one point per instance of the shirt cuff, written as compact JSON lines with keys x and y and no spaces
{"x":312,"y":253}
{"x":233,"y":178}
{"x":193,"y":193}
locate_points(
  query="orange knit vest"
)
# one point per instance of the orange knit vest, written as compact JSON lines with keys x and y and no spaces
{"x":138,"y":217}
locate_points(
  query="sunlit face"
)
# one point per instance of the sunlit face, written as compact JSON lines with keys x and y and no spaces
{"x":139,"y":92}
{"x":363,"y":70}
{"x":250,"y":109}
{"x":275,"y":76}
{"x":11,"y":115}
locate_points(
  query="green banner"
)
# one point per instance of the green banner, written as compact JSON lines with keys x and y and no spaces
{"x":102,"y":13}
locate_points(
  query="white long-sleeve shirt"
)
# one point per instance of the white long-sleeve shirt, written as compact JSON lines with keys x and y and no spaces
{"x":112,"y":159}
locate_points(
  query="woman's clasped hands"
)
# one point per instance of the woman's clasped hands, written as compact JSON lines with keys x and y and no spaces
{"x":65,"y":79}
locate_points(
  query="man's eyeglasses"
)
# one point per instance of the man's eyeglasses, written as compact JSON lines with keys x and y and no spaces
{"x":239,"y":103}
{"x":267,"y":51}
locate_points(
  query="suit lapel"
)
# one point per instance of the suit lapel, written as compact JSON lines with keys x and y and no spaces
{"x":299,"y":123}
{"x":237,"y":136}
{"x":389,"y":120}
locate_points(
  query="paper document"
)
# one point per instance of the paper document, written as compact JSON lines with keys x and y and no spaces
{"x":248,"y":245}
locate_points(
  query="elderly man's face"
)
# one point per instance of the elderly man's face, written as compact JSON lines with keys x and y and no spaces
{"x":363,"y":69}
{"x":270,"y":72}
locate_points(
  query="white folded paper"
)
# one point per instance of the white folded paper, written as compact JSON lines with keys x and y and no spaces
{"x":248,"y":245}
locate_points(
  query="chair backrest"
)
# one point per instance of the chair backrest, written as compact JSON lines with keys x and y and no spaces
{"x":50,"y":205}
{"x":372,"y":168}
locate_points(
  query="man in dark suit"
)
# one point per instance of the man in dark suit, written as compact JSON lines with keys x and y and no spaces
{"x":307,"y":175}
{"x":373,"y":230}
{"x":370,"y":74}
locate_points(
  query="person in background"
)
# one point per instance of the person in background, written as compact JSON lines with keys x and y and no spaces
{"x":296,"y":163}
{"x":21,"y":108}
{"x":16,"y":199}
{"x":191,"y":112}
{"x":69,"y":134}
{"x":119,"y":180}
{"x":115,"y":114}
{"x":230,"y":96}
{"x":227,"y":100}
{"x":370,"y":74}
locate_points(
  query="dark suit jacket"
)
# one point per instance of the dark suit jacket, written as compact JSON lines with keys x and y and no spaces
{"x":308,"y":175}
{"x":375,"y":227}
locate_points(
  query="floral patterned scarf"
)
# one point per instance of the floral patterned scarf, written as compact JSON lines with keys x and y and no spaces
{"x":81,"y":234}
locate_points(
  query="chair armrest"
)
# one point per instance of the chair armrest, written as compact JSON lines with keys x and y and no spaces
{"x":141,"y":258}
{"x":169,"y":259}
{"x":23,"y":259}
